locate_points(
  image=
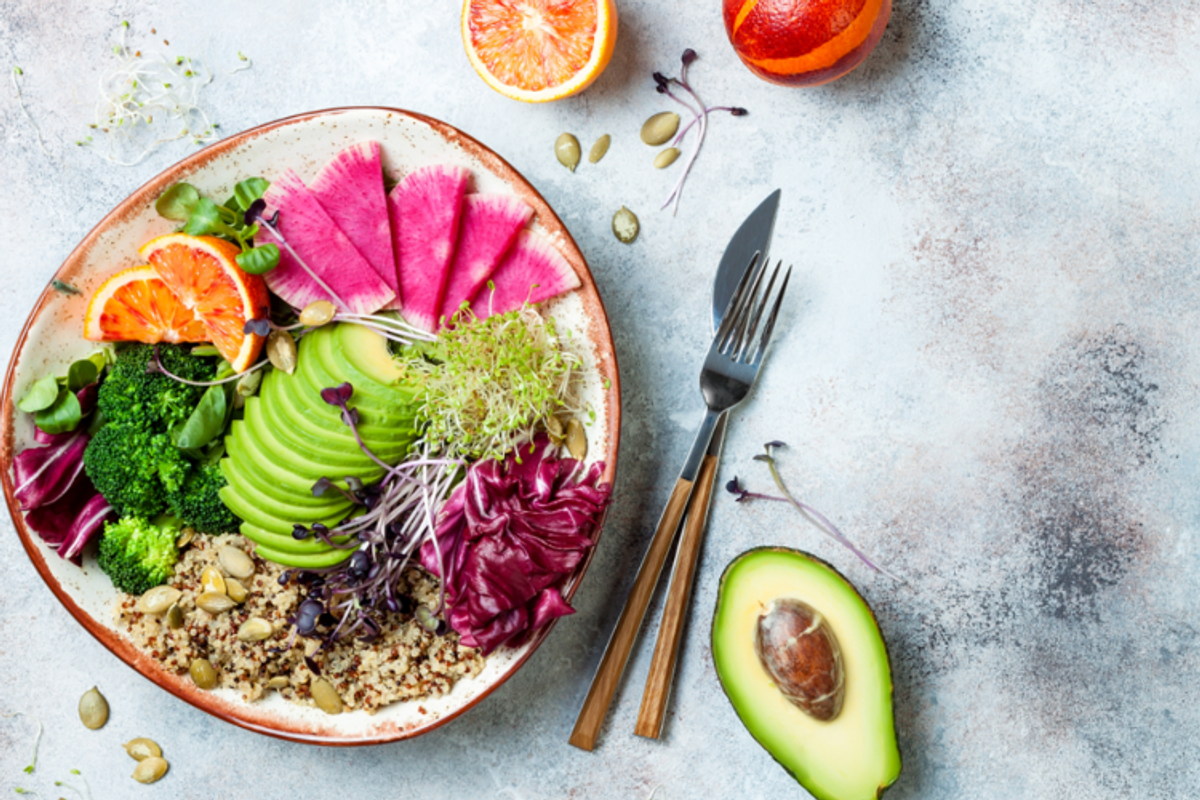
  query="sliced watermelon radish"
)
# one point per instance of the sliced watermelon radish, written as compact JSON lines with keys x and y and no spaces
{"x":350,"y":189}
{"x":324,"y":248}
{"x":425,"y":209}
{"x":533,"y":271}
{"x":490,"y":224}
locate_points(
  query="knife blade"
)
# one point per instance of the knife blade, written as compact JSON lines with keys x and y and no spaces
{"x":754,"y":236}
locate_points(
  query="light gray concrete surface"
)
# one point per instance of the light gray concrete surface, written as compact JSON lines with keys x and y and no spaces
{"x":987,"y":375}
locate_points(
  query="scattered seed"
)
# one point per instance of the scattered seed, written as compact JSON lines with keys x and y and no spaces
{"x":577,"y":444}
{"x":278,"y":682}
{"x":566,"y":148}
{"x":215,"y":602}
{"x":281,"y":351}
{"x":188,"y":534}
{"x":660,"y":128}
{"x":255,"y":629}
{"x":174,"y":617}
{"x":317,"y":313}
{"x":248,"y":384}
{"x":158,"y":599}
{"x":203,"y":673}
{"x":236,"y":590}
{"x":625,"y":225}
{"x":235,"y":562}
{"x":666,"y":158}
{"x":599,"y":148}
{"x":140,"y":749}
{"x":211,"y":580}
{"x":326,"y":697}
{"x":93,"y":709}
{"x":554,"y":427}
{"x":150,"y":769}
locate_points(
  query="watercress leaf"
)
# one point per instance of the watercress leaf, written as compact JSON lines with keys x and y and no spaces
{"x":249,"y":190}
{"x":41,"y":395}
{"x":259,"y":260}
{"x":82,"y":373}
{"x":206,"y":422}
{"x":232,"y":204}
{"x":205,"y":219}
{"x":101,"y":358}
{"x":62,"y":416}
{"x":250,"y":232}
{"x":178,"y":202}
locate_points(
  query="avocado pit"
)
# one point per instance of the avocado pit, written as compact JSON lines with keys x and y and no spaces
{"x":800,"y":653}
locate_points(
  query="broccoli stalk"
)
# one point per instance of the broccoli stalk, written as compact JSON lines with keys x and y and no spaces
{"x":139,"y":554}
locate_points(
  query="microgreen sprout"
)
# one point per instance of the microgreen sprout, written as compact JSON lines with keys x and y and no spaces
{"x":16,"y":73}
{"x":487,"y":384}
{"x":807,"y":511}
{"x":156,"y":365}
{"x":64,"y":287}
{"x":699,"y":112}
{"x":37,"y":738}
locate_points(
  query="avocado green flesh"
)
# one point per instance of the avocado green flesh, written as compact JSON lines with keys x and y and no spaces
{"x":288,"y":543}
{"x":364,"y":354}
{"x":281,"y":509}
{"x":237,"y":470}
{"x":260,"y":439}
{"x":330,"y":558}
{"x":327,"y":368}
{"x":376,"y":415}
{"x":854,"y":756}
{"x":251,"y":514}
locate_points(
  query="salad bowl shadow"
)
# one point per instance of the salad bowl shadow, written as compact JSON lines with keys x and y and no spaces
{"x":52,"y":337}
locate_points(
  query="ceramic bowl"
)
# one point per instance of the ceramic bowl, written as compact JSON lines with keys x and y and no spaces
{"x":52,"y":338}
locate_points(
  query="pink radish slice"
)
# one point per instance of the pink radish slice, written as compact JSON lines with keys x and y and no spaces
{"x":350,"y":189}
{"x":533,"y":271}
{"x":425,"y":210}
{"x":325,"y":250}
{"x":490,"y":224}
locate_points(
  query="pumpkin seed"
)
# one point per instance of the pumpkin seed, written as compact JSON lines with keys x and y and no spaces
{"x":215,"y":602}
{"x":93,"y":709}
{"x":158,"y":599}
{"x":554,"y":427}
{"x":236,"y":590}
{"x":326,"y":697}
{"x":317,"y":313}
{"x":666,"y":158}
{"x":599,"y":148}
{"x":211,"y":580}
{"x":141,"y":748}
{"x":235,"y":561}
{"x":150,"y":769}
{"x":281,"y":351}
{"x":625,"y":225}
{"x":278,"y":682}
{"x":255,"y":629}
{"x":577,"y":444}
{"x":660,"y":128}
{"x":248,"y":384}
{"x":175,"y":617}
{"x":185,"y":538}
{"x":566,"y":148}
{"x":203,"y":673}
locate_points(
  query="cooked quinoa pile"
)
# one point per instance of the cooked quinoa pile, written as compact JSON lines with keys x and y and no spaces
{"x":406,"y":662}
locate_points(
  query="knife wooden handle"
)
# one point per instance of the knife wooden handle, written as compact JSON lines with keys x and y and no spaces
{"x":612,"y":665}
{"x":670,"y":632}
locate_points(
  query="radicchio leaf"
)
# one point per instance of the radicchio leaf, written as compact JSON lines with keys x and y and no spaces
{"x":45,"y":474}
{"x":69,"y":523}
{"x":89,"y":522}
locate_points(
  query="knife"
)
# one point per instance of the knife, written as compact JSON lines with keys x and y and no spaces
{"x":754,"y":236}
{"x":751,"y":238}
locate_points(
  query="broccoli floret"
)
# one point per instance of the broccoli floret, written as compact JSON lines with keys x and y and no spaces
{"x":198,"y":503}
{"x":134,"y":468}
{"x":139,"y":554}
{"x":150,"y":399}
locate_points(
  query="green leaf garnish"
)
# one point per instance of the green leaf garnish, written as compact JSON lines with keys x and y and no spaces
{"x":64,"y":415}
{"x":178,"y":202}
{"x":206,"y":422}
{"x":41,"y":395}
{"x":259,"y":260}
{"x":82,"y":373}
{"x":249,"y":190}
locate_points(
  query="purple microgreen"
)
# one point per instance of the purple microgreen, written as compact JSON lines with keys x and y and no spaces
{"x":254,"y":212}
{"x":299,"y":532}
{"x":260,"y":326}
{"x":338,"y":395}
{"x":394,"y":330}
{"x":814,"y":516}
{"x":354,"y":484}
{"x":689,"y":56}
{"x":734,"y":487}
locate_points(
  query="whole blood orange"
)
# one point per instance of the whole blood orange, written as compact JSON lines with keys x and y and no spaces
{"x":202,"y":273}
{"x":136,"y":306}
{"x":539,"y":50}
{"x":804,"y":42}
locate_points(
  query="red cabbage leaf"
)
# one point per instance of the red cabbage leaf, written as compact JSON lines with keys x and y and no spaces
{"x":506,"y":538}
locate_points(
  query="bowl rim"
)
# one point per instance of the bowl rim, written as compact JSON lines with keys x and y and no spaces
{"x":123,"y":648}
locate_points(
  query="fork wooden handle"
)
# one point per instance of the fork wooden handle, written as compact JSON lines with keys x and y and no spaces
{"x":612,"y":665}
{"x":670,"y":632}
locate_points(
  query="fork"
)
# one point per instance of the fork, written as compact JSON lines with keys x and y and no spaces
{"x":729,"y":371}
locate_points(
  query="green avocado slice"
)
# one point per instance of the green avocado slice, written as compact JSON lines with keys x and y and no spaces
{"x":241,"y":472}
{"x":287,"y":544}
{"x":330,"y":558}
{"x":264,"y":447}
{"x":325,"y":367}
{"x":285,"y":515}
{"x":854,"y":755}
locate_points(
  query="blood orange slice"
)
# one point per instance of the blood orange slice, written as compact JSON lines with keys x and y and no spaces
{"x":203,"y":274}
{"x":135,"y":305}
{"x":539,"y":50}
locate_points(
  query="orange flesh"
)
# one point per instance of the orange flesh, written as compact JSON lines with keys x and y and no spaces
{"x":201,"y":283}
{"x":533,"y":44}
{"x":759,"y":35}
{"x":147,"y":311}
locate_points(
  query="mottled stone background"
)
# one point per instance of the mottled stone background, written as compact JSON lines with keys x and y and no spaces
{"x":987,"y":375}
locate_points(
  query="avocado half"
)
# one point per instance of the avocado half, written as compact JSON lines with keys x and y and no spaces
{"x":853,"y":756}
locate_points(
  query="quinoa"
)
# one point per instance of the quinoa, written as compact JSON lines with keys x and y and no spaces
{"x":406,"y":662}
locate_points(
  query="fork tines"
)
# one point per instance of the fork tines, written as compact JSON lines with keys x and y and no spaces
{"x":745,"y":311}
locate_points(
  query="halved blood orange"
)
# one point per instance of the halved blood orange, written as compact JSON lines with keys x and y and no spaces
{"x":539,"y":50}
{"x":203,"y":274}
{"x":135,"y":305}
